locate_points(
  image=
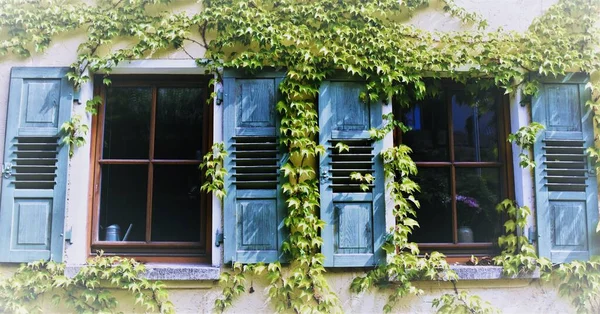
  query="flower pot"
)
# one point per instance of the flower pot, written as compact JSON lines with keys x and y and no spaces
{"x":465,"y":235}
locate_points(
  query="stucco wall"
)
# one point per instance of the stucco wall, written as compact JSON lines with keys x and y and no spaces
{"x":512,"y":296}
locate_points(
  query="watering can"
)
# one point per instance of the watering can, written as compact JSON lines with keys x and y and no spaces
{"x":113,"y":233}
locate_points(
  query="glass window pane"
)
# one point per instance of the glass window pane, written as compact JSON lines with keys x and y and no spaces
{"x":435,"y":214}
{"x":429,"y":135}
{"x":123,"y":199}
{"x":475,"y":127}
{"x":176,"y":203}
{"x":127,"y":123}
{"x":477,"y":194}
{"x":179,"y":114}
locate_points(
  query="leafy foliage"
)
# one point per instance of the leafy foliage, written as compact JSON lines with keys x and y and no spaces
{"x":74,"y":132}
{"x":87,"y":292}
{"x":518,"y":255}
{"x":404,"y":264}
{"x":313,"y":39}
{"x":214,"y":181}
{"x":462,"y":303}
{"x":379,"y":133}
{"x":579,"y":281}
{"x":365,"y":179}
{"x":525,"y":138}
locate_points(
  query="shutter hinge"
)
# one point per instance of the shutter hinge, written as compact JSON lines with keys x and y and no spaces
{"x":7,"y":170}
{"x":67,"y":236}
{"x":531,"y":235}
{"x":219,"y":237}
{"x":591,"y":165}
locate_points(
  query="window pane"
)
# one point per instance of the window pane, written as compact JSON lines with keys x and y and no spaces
{"x":176,"y":203}
{"x":179,"y":114}
{"x":429,"y":135}
{"x":477,"y":194}
{"x":127,"y":123}
{"x":123,"y":199}
{"x":435,"y":214}
{"x":475,"y":127}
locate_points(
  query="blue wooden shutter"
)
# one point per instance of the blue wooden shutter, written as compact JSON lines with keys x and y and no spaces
{"x":32,"y":210}
{"x":254,"y":208}
{"x":566,"y":198}
{"x":355,"y":219}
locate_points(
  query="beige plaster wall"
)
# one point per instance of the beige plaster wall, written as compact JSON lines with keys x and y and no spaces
{"x":512,"y":296}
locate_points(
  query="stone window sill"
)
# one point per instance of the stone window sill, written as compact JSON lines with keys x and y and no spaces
{"x":466,"y":272}
{"x":156,"y":271}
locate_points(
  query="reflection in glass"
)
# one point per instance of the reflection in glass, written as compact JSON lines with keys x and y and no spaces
{"x":123,"y":199}
{"x":435,"y":214}
{"x":176,"y":203}
{"x":475,"y":125}
{"x":127,"y":123}
{"x":477,"y":193}
{"x":429,"y":135}
{"x":179,"y":114}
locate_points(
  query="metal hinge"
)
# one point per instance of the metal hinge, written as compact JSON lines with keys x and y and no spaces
{"x":219,"y":237}
{"x":68,"y":236}
{"x":531,"y":235}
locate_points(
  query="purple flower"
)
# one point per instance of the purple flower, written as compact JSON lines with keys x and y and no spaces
{"x":469,"y":201}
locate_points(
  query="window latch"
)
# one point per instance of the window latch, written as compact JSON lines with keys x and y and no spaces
{"x":7,"y":170}
{"x":219,"y":237}
{"x":324,"y":174}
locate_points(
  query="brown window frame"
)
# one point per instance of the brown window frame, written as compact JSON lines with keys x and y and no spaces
{"x":150,"y":251}
{"x":456,"y":251}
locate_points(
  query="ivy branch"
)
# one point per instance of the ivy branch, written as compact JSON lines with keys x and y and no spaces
{"x":74,"y":132}
{"x":214,"y":172}
{"x":87,"y":292}
{"x":404,"y":264}
{"x":525,"y":138}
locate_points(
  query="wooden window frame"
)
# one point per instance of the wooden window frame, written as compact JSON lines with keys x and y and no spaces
{"x":457,"y":251}
{"x":149,"y":251}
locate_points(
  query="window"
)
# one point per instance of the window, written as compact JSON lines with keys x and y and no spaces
{"x":151,"y":133}
{"x":459,"y":145}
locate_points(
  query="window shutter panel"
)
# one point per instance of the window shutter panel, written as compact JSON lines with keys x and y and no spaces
{"x":32,"y":210}
{"x":566,"y":200}
{"x":254,"y":206}
{"x":355,"y":219}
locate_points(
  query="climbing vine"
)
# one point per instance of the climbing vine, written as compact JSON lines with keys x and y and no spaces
{"x":518,"y":255}
{"x":462,"y":303}
{"x":404,"y":264}
{"x":73,"y":133}
{"x":214,"y":172}
{"x":524,"y":138}
{"x":89,"y":291}
{"x":313,"y":40}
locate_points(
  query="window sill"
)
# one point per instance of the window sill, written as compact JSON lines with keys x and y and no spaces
{"x":475,"y":272}
{"x":156,"y":271}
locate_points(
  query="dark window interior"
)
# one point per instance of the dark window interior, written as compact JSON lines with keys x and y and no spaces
{"x":457,"y":138}
{"x":152,"y":133}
